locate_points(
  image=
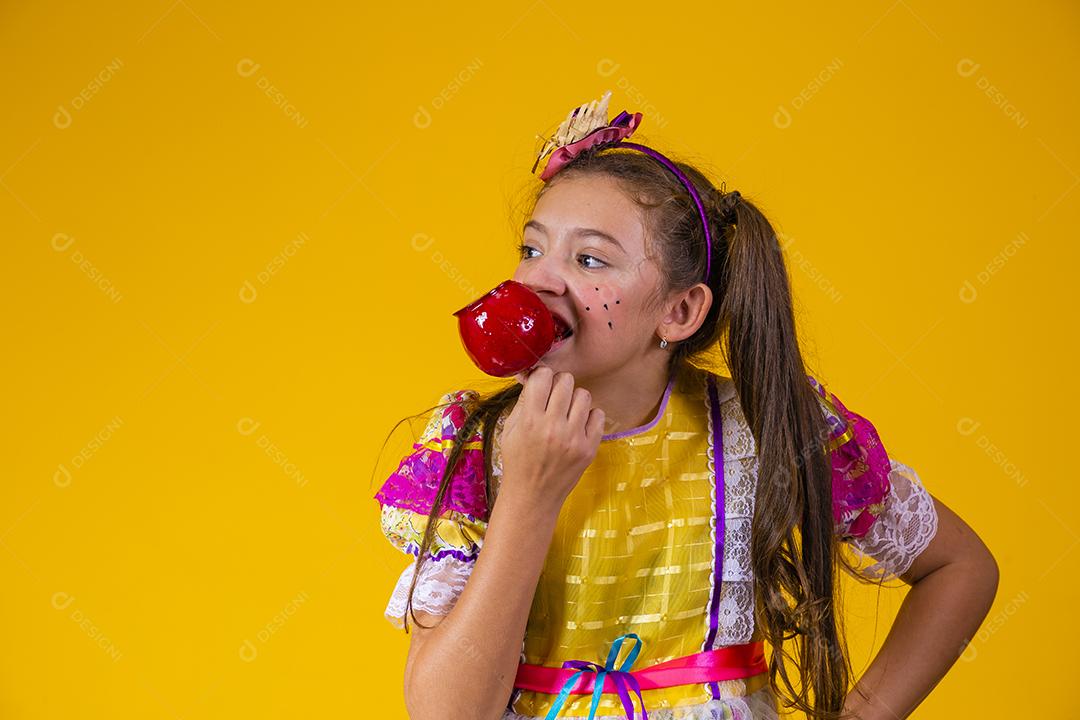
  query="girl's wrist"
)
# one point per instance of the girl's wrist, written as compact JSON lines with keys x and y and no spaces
{"x":528,"y":500}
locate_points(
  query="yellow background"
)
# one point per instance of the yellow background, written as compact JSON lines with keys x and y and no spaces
{"x":233,"y":237}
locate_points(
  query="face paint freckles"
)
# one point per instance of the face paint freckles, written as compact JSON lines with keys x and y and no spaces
{"x":607,"y":309}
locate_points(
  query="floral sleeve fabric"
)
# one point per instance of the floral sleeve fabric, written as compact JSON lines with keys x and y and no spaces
{"x":880,"y":506}
{"x":407,"y":497}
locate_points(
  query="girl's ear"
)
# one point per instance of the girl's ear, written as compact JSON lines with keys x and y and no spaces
{"x":687,"y":313}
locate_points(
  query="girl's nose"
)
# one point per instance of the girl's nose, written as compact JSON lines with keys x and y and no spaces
{"x":541,"y":275}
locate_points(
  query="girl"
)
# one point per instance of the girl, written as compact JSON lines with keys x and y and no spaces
{"x":624,"y":494}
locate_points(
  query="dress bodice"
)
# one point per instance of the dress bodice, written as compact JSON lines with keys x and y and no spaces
{"x":634,"y":550}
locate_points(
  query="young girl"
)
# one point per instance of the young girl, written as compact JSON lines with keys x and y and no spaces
{"x":630,"y":502}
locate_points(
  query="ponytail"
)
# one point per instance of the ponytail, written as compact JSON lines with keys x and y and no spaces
{"x":794,"y":572}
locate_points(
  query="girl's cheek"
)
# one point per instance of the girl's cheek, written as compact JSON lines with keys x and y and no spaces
{"x":603,"y":304}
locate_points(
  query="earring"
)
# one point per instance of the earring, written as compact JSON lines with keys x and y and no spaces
{"x":663,"y":343}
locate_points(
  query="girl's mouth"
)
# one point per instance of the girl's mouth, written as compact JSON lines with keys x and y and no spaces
{"x":563,"y":331}
{"x":562,"y":328}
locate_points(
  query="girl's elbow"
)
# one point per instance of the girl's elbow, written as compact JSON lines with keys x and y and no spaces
{"x":437,"y":701}
{"x":993,"y":574}
{"x":982,"y":569}
{"x":422,"y":708}
{"x":985,"y":576}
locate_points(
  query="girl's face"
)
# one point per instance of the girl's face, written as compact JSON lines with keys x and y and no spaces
{"x":584,"y":252}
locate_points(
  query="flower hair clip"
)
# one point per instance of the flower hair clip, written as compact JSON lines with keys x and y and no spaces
{"x":587,"y":127}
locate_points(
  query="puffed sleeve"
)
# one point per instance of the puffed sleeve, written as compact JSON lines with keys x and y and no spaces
{"x":407,"y":496}
{"x":880,"y":506}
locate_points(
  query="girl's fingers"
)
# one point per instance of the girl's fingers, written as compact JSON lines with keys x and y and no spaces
{"x":594,"y":428}
{"x":580,"y":404}
{"x":562,"y":391}
{"x":537,"y":388}
{"x":522,"y":376}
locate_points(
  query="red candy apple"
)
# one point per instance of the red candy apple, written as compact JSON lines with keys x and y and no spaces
{"x":509,"y":329}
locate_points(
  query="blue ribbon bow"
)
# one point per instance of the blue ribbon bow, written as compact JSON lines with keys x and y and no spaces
{"x":622,"y":678}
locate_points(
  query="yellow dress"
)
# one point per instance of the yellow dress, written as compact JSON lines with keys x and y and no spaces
{"x":634,"y":549}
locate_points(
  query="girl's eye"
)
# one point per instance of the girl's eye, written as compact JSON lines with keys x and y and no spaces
{"x":523,"y":250}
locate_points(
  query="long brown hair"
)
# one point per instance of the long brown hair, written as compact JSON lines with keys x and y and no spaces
{"x":795,"y":553}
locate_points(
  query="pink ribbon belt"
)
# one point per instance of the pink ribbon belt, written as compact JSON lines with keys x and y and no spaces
{"x":726,"y":663}
{"x":581,"y":677}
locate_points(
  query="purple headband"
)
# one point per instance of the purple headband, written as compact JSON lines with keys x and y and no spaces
{"x":586,"y":128}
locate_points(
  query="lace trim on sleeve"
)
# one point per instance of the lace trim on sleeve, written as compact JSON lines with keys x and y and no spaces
{"x":903,"y":530}
{"x":441,"y":582}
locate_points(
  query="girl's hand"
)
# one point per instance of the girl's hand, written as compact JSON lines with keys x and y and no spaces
{"x":551,"y":436}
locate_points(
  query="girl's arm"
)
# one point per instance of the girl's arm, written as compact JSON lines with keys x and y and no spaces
{"x":465,"y":666}
{"x":953,"y":583}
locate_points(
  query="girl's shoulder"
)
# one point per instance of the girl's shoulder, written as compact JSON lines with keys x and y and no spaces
{"x":860,"y":466}
{"x":415,"y":483}
{"x":450,"y":414}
